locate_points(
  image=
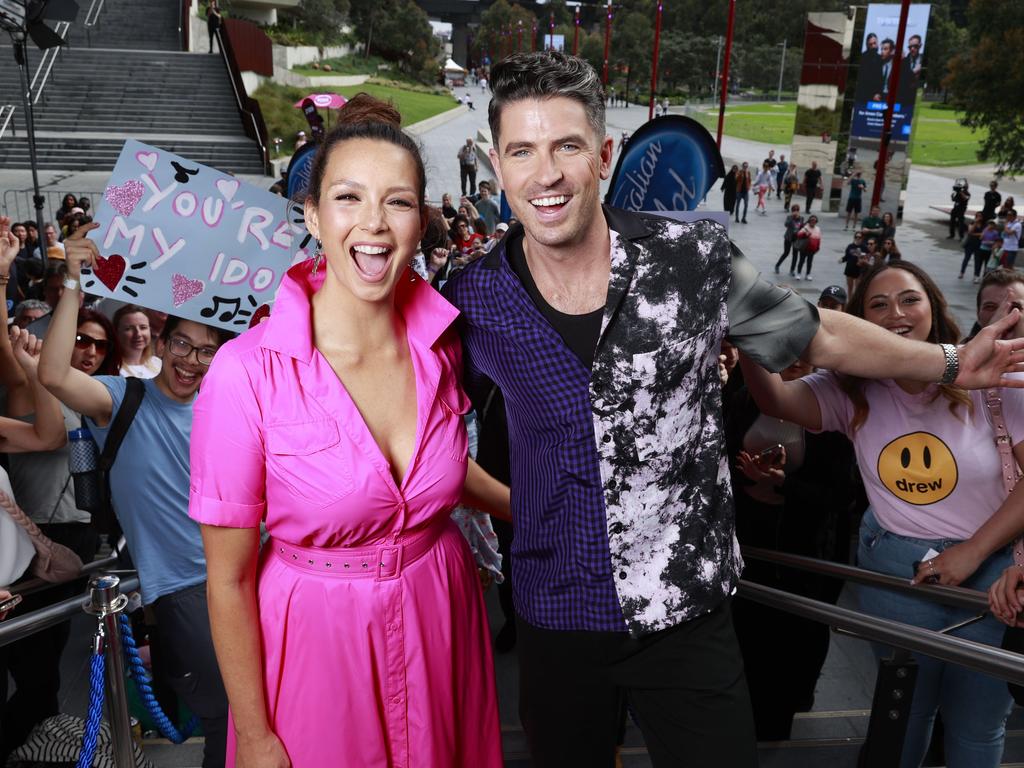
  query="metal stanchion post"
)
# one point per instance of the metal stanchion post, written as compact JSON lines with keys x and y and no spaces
{"x":107,"y":602}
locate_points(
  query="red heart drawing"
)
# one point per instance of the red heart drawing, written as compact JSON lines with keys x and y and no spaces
{"x":257,"y":317}
{"x":109,"y":271}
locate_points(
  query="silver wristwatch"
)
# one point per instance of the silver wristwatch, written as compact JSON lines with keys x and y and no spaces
{"x":952,"y":364}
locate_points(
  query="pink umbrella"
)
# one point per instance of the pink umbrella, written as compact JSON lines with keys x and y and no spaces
{"x":324,"y":100}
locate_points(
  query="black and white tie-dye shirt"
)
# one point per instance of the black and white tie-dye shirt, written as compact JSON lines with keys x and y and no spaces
{"x":621,"y":498}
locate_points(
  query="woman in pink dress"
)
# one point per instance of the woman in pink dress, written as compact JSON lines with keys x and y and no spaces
{"x":357,"y":636}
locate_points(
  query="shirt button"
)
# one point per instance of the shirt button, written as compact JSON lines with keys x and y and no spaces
{"x":606,"y":439}
{"x":612,"y":484}
{"x":622,"y":574}
{"x":616,"y":528}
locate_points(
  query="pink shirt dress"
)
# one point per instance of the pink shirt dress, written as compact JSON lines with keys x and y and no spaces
{"x":375,"y":643}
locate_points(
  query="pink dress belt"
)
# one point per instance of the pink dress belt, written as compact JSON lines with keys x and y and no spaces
{"x":382,"y":562}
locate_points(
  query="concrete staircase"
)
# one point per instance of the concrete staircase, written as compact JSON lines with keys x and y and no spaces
{"x":139,"y":87}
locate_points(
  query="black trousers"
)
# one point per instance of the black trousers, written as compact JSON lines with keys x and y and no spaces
{"x":684,"y":686}
{"x":34,"y":663}
{"x":808,"y":257}
{"x":468,"y":172}
{"x":810,"y":199}
{"x":787,"y":244}
{"x":188,"y":663}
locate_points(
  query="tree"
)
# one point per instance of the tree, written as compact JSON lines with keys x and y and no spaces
{"x":986,"y":81}
{"x":504,"y":27}
{"x":397,"y":30}
{"x":322,"y":19}
{"x":632,"y":38}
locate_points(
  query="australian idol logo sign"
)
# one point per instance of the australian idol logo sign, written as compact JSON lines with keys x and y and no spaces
{"x":669,"y":164}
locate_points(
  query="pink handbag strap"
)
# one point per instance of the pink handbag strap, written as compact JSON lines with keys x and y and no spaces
{"x":1007,"y":461}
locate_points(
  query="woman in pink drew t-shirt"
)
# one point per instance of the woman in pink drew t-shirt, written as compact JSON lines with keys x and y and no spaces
{"x":358,"y":635}
{"x":928,"y":458}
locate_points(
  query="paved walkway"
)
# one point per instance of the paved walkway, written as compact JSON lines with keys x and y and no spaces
{"x":921,"y":237}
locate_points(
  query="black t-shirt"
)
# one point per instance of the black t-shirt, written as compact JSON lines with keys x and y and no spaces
{"x":811,"y":178}
{"x":579,"y":332}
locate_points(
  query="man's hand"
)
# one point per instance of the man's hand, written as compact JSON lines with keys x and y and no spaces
{"x":26,"y":350}
{"x":988,"y":357}
{"x":79,"y":251}
{"x":1004,"y":596}
{"x":9,"y":245}
{"x":1005,"y":308}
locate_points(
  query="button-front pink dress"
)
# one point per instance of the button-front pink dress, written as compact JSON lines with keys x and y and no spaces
{"x":375,"y":642}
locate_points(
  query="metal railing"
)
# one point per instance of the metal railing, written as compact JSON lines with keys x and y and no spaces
{"x":17,"y":203}
{"x":46,"y":64}
{"x":20,"y":627}
{"x":968,"y":599}
{"x":255,"y":128}
{"x":6,"y":113}
{"x":92,"y":16}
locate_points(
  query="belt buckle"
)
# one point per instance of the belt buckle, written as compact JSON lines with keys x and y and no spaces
{"x":393,"y":552}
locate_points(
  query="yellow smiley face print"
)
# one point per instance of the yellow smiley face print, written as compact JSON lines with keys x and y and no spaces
{"x":918,"y":468}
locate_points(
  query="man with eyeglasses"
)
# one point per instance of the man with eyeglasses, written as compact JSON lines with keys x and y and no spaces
{"x":149,"y":485}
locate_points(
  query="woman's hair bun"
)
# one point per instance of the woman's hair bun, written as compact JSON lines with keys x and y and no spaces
{"x":364,"y":108}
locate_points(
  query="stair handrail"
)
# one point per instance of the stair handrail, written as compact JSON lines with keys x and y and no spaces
{"x":968,"y":599}
{"x":6,"y":114}
{"x":48,"y":60}
{"x":986,"y":659}
{"x":93,"y":14}
{"x":248,"y":106}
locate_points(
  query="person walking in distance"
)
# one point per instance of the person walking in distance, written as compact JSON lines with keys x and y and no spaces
{"x":764,"y":184}
{"x":467,"y":166}
{"x":793,"y":224}
{"x":812,"y":179}
{"x":857,"y":186}
{"x":992,"y":201}
{"x":780,"y":175}
{"x":808,"y":240}
{"x":960,"y":197}
{"x":743,"y":184}
{"x":791,"y":185}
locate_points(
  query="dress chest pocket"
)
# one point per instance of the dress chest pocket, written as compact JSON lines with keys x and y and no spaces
{"x":307,"y":457}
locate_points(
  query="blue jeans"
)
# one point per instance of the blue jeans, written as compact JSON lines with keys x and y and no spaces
{"x":743,"y":197}
{"x":974,"y":706}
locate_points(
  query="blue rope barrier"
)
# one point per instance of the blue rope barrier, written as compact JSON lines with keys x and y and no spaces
{"x":92,"y":721}
{"x":137,"y":671}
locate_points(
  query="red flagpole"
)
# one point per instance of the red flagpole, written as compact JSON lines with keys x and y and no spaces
{"x":551,"y":32}
{"x":607,"y":41}
{"x":533,"y":37}
{"x":519,"y":37}
{"x":654,"y":61}
{"x":576,"y":32}
{"x":725,"y":70}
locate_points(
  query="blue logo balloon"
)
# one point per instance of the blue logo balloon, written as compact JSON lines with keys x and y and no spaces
{"x":669,"y":164}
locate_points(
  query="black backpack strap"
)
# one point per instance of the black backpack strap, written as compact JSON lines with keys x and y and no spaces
{"x":134,"y":392}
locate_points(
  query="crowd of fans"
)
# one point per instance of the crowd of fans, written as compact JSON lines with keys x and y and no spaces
{"x":799,"y":444}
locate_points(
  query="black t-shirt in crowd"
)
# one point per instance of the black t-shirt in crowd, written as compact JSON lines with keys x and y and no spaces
{"x":579,"y":332}
{"x":811,"y":178}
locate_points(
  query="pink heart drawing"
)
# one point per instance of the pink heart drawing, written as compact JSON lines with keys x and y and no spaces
{"x":184,"y":288}
{"x":148,"y":159}
{"x":124,"y":197}
{"x":227,"y":187}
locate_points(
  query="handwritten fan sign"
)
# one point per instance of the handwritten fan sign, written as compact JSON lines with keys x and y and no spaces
{"x":186,"y":239}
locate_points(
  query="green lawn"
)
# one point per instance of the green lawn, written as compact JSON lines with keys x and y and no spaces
{"x":284,"y":120}
{"x":938,"y":138}
{"x":356,"y":64}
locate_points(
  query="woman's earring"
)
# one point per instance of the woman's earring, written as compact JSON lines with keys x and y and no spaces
{"x":318,"y":255}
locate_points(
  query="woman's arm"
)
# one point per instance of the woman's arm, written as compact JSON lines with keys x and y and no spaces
{"x":792,"y":401}
{"x":11,"y":375}
{"x":46,"y":431}
{"x":231,"y":555}
{"x":958,"y":562}
{"x":74,"y":388}
{"x":483,"y":492}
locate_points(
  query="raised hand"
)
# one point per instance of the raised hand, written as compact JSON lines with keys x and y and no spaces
{"x":26,"y":350}
{"x":80,"y":251}
{"x":9,"y":245}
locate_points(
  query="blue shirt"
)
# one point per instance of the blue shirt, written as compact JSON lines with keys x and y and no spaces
{"x":149,"y":485}
{"x":857,"y":186}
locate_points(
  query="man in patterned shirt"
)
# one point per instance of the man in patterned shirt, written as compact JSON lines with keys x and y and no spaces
{"x":602,"y":329}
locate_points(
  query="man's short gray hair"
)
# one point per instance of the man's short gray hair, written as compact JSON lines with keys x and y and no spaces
{"x":545,"y":75}
{"x":28,"y":305}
